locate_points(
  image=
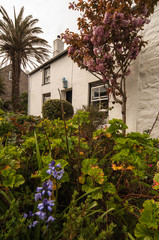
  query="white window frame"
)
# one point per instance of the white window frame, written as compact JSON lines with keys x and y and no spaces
{"x":98,"y":98}
{"x":47,"y":75}
{"x":10,"y":76}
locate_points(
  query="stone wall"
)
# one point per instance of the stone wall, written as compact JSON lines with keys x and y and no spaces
{"x":148,"y":81}
{"x":4,"y":74}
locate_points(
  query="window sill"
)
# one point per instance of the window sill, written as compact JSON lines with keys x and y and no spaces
{"x":43,"y":84}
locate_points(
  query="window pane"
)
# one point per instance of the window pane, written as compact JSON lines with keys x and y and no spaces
{"x":47,"y":75}
{"x":103,"y":92}
{"x":95,"y":93}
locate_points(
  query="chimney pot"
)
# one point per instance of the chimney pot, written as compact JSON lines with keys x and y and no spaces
{"x":58,"y":46}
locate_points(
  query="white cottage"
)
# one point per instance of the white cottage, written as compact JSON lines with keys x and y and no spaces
{"x":81,"y":88}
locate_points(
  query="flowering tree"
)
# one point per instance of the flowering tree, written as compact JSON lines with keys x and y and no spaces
{"x":109,"y":40}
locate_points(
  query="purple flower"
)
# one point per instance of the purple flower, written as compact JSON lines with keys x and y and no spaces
{"x":45,"y":189}
{"x":46,"y":204}
{"x":25,"y":215}
{"x":53,"y":170}
{"x":33,"y":224}
{"x":50,"y":219}
{"x":38,"y":196}
{"x":30,"y":214}
{"x":38,"y":189}
{"x":49,"y":171}
{"x":52,"y":164}
{"x":41,"y":215}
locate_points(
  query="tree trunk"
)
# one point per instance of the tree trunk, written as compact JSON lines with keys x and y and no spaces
{"x":123,"y":111}
{"x":16,"y":62}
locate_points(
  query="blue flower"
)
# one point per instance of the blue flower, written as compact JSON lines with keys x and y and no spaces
{"x":50,"y":219}
{"x":45,"y":189}
{"x":41,"y":215}
{"x":52,"y":164}
{"x":54,"y":170}
{"x":33,"y":224}
{"x":38,"y":196}
{"x":46,"y":204}
{"x":25,"y":215}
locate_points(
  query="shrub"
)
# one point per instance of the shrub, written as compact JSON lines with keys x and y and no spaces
{"x":24,"y":102}
{"x":96,"y":119}
{"x":52,"y":109}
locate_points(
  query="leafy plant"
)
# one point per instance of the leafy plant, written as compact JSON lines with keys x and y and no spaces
{"x":52,"y":109}
{"x":147,"y":228}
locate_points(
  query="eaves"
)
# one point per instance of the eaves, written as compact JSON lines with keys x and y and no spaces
{"x":49,"y":61}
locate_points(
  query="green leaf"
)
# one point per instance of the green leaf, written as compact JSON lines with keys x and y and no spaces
{"x":63,"y":162}
{"x":65,"y":178}
{"x":109,"y":187}
{"x":19,"y":180}
{"x":142,"y":232}
{"x":9,"y":181}
{"x":46,"y":160}
{"x":156,"y":236}
{"x":38,"y":152}
{"x":156,"y":181}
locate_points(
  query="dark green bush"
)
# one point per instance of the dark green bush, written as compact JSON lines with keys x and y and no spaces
{"x":52,"y":109}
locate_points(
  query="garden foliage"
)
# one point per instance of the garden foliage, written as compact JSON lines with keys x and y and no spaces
{"x":52,"y":109}
{"x":58,"y":181}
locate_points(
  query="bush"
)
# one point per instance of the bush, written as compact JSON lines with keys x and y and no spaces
{"x":24,"y":102}
{"x":52,"y":109}
{"x":96,"y":118}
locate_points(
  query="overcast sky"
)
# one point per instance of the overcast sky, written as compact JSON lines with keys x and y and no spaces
{"x":53,"y":15}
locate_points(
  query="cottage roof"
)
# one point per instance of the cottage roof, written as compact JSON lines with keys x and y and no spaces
{"x":49,"y":61}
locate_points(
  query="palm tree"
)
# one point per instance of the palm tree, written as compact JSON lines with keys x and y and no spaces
{"x":20,"y":45}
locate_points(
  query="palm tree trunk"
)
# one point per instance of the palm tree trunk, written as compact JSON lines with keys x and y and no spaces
{"x":16,"y":61}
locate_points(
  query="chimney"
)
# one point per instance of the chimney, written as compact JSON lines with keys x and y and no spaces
{"x":58,"y":46}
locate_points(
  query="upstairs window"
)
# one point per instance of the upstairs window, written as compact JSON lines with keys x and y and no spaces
{"x":46,"y":75}
{"x":99,"y":97}
{"x":10,"y":76}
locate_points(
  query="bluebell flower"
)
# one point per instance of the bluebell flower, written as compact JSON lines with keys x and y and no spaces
{"x":30,"y":214}
{"x":53,"y":170}
{"x":33,"y":224}
{"x":45,"y":189}
{"x":50,"y":219}
{"x":58,"y":165}
{"x":25,"y":215}
{"x":38,"y":196}
{"x":38,"y":189}
{"x":41,"y":215}
{"x":52,"y":164}
{"x":46,"y":204}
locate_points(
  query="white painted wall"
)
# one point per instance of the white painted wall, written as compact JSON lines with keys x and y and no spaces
{"x":148,"y":84}
{"x":64,"y":67}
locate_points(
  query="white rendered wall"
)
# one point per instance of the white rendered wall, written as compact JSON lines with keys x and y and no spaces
{"x":149,"y":77}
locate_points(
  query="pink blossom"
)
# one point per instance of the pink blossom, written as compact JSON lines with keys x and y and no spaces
{"x":107,"y":18}
{"x":86,"y":38}
{"x":71,"y":50}
{"x":137,"y":22}
{"x":125,"y":23}
{"x":144,"y":10}
{"x":98,"y":31}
